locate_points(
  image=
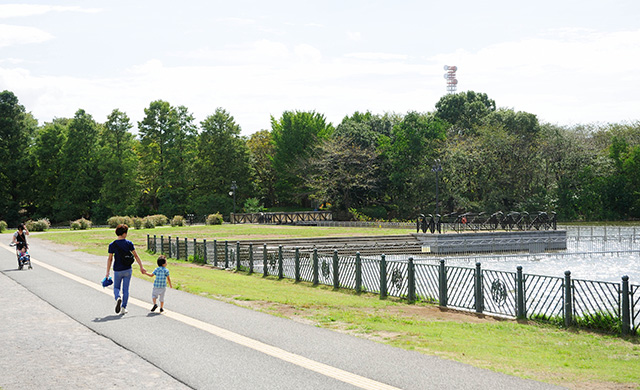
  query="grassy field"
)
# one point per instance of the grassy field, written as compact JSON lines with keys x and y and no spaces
{"x":572,"y":358}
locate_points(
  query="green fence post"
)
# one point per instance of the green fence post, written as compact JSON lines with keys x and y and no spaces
{"x":568,"y":301}
{"x":383,"y":277}
{"x":478,"y":289}
{"x":186,"y":250}
{"x":521,"y":311}
{"x":162,"y":245}
{"x":215,"y":253}
{"x":155,"y":244}
{"x":315,"y":266}
{"x":177,"y":247}
{"x":442,"y":299}
{"x":280,"y":263}
{"x":626,"y":313}
{"x":358,"y":273}
{"x":148,"y":244}
{"x":336,"y":271}
{"x":297,"y":265}
{"x":195,"y":250}
{"x":204,"y":249}
{"x":265,"y":266}
{"x":250,"y":258}
{"x":411,"y":280}
{"x":226,"y":254}
{"x":237,"y":255}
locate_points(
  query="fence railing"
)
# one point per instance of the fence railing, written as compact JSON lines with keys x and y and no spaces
{"x":510,"y":294}
{"x":280,"y":218}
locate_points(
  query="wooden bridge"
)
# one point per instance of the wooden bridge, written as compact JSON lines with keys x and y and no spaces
{"x":282,"y":218}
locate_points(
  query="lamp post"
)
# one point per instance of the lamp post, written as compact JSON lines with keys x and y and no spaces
{"x":437,"y":167}
{"x":234,"y":187}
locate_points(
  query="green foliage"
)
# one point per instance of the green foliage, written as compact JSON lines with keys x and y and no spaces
{"x":464,"y":110}
{"x":114,"y":221}
{"x":16,"y":133}
{"x":295,"y":136}
{"x":3,"y":226}
{"x":158,"y":219}
{"x":167,"y":151}
{"x":38,"y":226}
{"x":222,"y":157}
{"x":252,"y":205}
{"x":81,"y":224}
{"x":261,"y":146}
{"x":119,"y":164}
{"x":214,"y":219}
{"x":177,"y":220}
{"x":138,"y":222}
{"x":148,"y":223}
{"x":599,"y":321}
{"x":357,"y":216}
{"x":197,"y":259}
{"x":80,"y":177}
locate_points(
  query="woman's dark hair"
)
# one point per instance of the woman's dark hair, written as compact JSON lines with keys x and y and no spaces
{"x":21,"y":226}
{"x":121,"y":229}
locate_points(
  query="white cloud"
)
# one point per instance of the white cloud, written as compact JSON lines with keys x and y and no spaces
{"x":18,"y":35}
{"x":377,"y":56}
{"x":21,"y":10}
{"x":354,"y":36}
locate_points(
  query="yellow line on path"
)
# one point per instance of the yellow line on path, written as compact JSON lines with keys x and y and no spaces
{"x":320,"y":368}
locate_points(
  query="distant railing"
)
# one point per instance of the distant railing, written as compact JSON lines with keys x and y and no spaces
{"x":281,"y":218}
{"x":510,"y":294}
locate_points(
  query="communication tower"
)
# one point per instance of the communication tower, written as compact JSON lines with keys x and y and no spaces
{"x":450,"y":76}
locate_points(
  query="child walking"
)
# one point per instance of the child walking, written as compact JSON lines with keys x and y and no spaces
{"x":160,"y":284}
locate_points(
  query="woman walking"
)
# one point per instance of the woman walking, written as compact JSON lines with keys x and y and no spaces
{"x":124,"y":252}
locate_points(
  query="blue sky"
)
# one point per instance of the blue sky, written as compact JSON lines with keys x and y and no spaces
{"x":566,"y":61}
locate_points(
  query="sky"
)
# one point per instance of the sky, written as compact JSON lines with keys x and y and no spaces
{"x":568,"y":62}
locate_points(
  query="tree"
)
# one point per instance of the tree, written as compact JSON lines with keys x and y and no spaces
{"x":16,"y":134}
{"x":118,"y":164}
{"x":262,"y":150}
{"x":222,"y":157}
{"x":344,"y":173}
{"x":464,"y":110}
{"x":80,"y":181}
{"x":167,"y":145}
{"x":47,"y":162}
{"x":410,"y":151}
{"x":294,"y":136}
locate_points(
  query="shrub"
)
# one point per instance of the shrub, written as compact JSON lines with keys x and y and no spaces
{"x":252,"y":205}
{"x":81,"y":224}
{"x":214,"y":219}
{"x":197,"y":259}
{"x":159,"y":219}
{"x":38,"y":226}
{"x":177,"y":220}
{"x":114,"y":221}
{"x":148,"y":223}
{"x":137,"y":222}
{"x":3,"y":226}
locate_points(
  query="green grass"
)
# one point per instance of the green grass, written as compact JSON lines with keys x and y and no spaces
{"x":572,"y":358}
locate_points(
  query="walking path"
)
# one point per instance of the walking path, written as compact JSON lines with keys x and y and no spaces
{"x":58,"y":330}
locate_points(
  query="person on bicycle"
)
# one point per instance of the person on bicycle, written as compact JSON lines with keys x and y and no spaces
{"x":20,"y":239}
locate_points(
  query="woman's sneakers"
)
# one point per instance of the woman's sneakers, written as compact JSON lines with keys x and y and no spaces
{"x":124,"y":311}
{"x":118,"y":304}
{"x":154,"y":307}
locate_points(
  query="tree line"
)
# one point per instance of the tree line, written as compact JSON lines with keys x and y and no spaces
{"x":379,"y":166}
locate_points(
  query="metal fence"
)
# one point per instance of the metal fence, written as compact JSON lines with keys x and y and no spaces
{"x":510,"y":294}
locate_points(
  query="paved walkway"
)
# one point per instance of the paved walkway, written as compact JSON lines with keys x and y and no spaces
{"x":58,"y":330}
{"x":43,"y":348}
